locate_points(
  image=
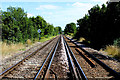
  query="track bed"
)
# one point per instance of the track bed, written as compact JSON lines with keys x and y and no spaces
{"x":96,"y":72}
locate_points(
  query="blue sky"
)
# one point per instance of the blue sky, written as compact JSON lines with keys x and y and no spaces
{"x":56,"y":12}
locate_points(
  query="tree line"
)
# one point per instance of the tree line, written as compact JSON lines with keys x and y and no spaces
{"x":101,"y":26}
{"x":17,"y":27}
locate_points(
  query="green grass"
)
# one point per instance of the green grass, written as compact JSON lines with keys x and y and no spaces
{"x":43,"y":39}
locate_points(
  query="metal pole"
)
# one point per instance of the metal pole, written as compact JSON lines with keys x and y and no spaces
{"x":39,"y":36}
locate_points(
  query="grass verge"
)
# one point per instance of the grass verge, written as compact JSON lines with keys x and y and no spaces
{"x":43,"y":39}
{"x":8,"y":50}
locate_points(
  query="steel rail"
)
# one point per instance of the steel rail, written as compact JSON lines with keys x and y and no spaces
{"x":48,"y":67}
{"x":106,"y":67}
{"x":72,"y":68}
{"x":47,"y":61}
{"x":82,"y":74}
{"x":40,"y":70}
{"x":18,"y":63}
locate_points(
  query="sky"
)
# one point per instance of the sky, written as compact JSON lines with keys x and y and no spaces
{"x":56,"y":12}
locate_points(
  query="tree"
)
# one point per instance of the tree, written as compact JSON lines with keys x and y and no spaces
{"x":70,"y":28}
{"x":49,"y":30}
{"x":59,"y":29}
{"x":17,"y":27}
{"x":101,"y":25}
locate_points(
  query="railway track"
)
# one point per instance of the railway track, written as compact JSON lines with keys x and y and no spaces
{"x":53,"y":67}
{"x":76,"y":71}
{"x":92,"y":65}
{"x":29,"y":63}
{"x":6,"y":63}
{"x":60,"y":58}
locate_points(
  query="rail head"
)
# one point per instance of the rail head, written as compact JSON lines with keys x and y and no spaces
{"x":71,"y":64}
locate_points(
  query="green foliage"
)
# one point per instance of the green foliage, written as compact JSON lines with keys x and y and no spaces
{"x":17,"y":27}
{"x":117,"y":42}
{"x":43,"y":39}
{"x":101,"y":25}
{"x":49,"y":30}
{"x":57,"y":30}
{"x":70,"y":28}
{"x":46,"y":36}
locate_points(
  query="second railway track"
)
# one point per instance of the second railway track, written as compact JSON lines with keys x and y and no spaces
{"x":94,"y":65}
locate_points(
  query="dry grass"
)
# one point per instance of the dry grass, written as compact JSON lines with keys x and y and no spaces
{"x":113,"y":50}
{"x":28,"y":42}
{"x":82,"y":39}
{"x":7,"y":49}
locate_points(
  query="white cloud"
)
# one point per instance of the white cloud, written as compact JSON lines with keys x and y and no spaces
{"x":46,"y":7}
{"x":99,"y":1}
{"x":29,"y":15}
{"x":82,"y":5}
